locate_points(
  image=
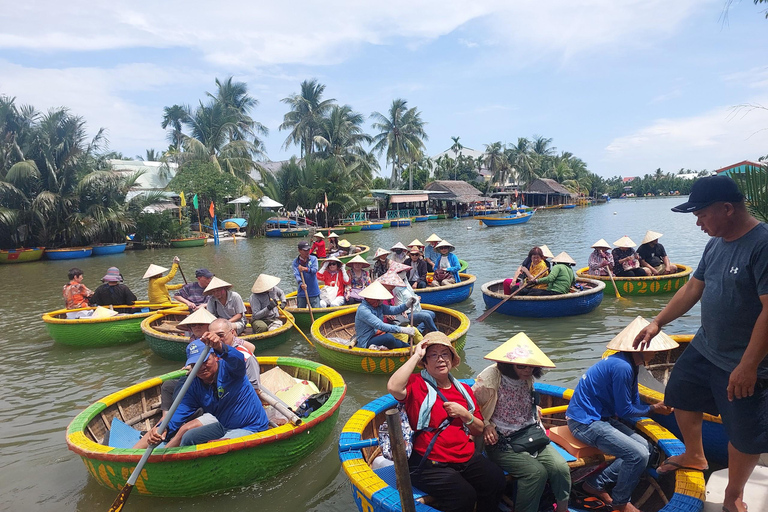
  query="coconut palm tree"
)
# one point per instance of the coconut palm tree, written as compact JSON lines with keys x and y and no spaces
{"x":401,"y":135}
{"x":307,"y":110}
{"x":174,"y":117}
{"x":340,"y":135}
{"x":456,"y":147}
{"x":234,"y":95}
{"x":496,"y":162}
{"x":523,"y":162}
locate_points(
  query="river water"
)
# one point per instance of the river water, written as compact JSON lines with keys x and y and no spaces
{"x":45,"y":385}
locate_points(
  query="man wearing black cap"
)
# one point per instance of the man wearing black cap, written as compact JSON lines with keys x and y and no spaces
{"x":305,"y":272}
{"x":724,"y":370}
{"x":191,"y":294}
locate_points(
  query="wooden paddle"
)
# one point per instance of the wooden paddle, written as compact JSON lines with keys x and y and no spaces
{"x":410,"y":336}
{"x":497,"y":306}
{"x":615,"y":288}
{"x":182,"y":273}
{"x":288,"y":317}
{"x":306,"y":295}
{"x":119,"y":502}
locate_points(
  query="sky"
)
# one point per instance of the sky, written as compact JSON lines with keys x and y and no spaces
{"x":627,"y":86}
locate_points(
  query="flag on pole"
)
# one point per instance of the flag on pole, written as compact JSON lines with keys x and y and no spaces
{"x":183,"y":200}
{"x":325,"y":202}
{"x":194,"y":201}
{"x":210,"y":210}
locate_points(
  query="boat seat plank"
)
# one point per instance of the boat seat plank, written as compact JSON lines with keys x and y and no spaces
{"x":387,"y":474}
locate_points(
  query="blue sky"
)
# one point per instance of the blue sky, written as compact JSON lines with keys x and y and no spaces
{"x":627,"y":86}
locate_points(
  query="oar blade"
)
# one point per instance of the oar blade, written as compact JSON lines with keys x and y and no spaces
{"x":119,"y":502}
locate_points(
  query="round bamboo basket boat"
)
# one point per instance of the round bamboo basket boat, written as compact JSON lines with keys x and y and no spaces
{"x":345,"y":259}
{"x":102,"y":332}
{"x":649,"y":285}
{"x":302,"y":316}
{"x":341,"y":324}
{"x":448,"y":294}
{"x":203,"y":468}
{"x":545,"y":306}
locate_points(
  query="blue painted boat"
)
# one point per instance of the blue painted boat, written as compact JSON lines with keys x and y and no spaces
{"x":505,"y":220}
{"x":374,"y":490}
{"x":68,"y":253}
{"x":422,"y":218}
{"x":234,"y":223}
{"x":567,"y":206}
{"x":373,"y":226}
{"x":404,"y":222}
{"x":450,"y":293}
{"x":104,"y":249}
{"x":546,"y":306}
{"x":287,"y":233}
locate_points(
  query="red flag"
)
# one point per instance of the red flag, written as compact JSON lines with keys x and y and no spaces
{"x":210,"y":210}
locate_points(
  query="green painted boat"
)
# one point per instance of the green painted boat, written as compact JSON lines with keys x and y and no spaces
{"x":171,"y":343}
{"x":21,"y":255}
{"x":463,"y":267}
{"x":193,"y":241}
{"x":353,"y":228}
{"x":650,"y":285}
{"x":441,"y":216}
{"x":387,"y":223}
{"x":204,"y":468}
{"x":102,"y":332}
{"x":301,"y":315}
{"x":340,"y":325}
{"x":339,"y":230}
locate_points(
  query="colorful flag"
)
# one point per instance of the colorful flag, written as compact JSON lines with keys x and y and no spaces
{"x":183,"y":200}
{"x":325,"y":203}
{"x":210,"y":210}
{"x":194,"y":202}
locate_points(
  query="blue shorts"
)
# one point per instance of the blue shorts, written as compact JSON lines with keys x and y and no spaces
{"x":698,"y":385}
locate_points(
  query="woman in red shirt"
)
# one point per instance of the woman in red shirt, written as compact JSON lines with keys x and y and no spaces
{"x":335,"y":278}
{"x":443,"y":413}
{"x":318,"y":245}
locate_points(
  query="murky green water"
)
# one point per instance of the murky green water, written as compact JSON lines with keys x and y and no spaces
{"x":45,"y":385}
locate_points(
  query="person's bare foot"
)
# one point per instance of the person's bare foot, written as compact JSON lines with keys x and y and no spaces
{"x":735,"y":506}
{"x":627,"y":507}
{"x":604,"y":496}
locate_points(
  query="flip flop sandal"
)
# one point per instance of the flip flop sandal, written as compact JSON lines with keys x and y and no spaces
{"x":677,"y":466}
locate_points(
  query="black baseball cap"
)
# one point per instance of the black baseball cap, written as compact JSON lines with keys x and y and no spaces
{"x":203,"y":272}
{"x":711,"y":189}
{"x":303,"y":246}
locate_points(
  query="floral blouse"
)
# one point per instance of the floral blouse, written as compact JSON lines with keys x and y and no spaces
{"x":359,"y":282}
{"x":514,"y":408}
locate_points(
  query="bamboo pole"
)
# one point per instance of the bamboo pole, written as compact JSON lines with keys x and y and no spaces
{"x":402,"y":472}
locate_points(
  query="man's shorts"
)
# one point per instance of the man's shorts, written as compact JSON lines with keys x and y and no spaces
{"x":698,"y":385}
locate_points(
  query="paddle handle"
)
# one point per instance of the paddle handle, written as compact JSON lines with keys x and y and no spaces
{"x":497,"y":306}
{"x":279,"y":405}
{"x":182,"y":273}
{"x":306,"y":295}
{"x":293,"y":322}
{"x":615,"y":288}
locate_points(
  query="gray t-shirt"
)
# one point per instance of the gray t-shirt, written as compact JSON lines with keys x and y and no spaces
{"x":735,"y":275}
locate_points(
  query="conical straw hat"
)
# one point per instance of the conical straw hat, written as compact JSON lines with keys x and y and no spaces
{"x":264,"y":283}
{"x":376,"y":291}
{"x":546,"y":251}
{"x":624,"y":340}
{"x":397,"y":267}
{"x":102,"y":312}
{"x":563,"y":258}
{"x":519,"y":349}
{"x":344,"y":243}
{"x":398,"y":245}
{"x":333,"y":235}
{"x":380,"y":252}
{"x":601,"y":244}
{"x":318,"y":234}
{"x":154,"y":270}
{"x":216,"y":283}
{"x":624,"y":241}
{"x":650,"y":236}
{"x":434,"y":238}
{"x":334,"y":259}
{"x":391,"y":279}
{"x":445,"y":243}
{"x":416,"y":243}
{"x":200,"y":317}
{"x":359,"y":259}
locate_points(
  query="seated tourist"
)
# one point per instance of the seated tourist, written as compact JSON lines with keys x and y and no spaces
{"x":345,"y":249}
{"x":334,"y":276}
{"x":447,"y":266}
{"x":533,"y":265}
{"x":359,"y":279}
{"x":265,"y":296}
{"x":653,"y":256}
{"x":113,"y":292}
{"x":417,"y":275}
{"x":158,"y":283}
{"x":606,"y":394}
{"x":626,"y":262}
{"x":318,"y":245}
{"x":371,"y":329}
{"x":503,"y":391}
{"x":399,"y":253}
{"x":225,"y":331}
{"x":444,"y":415}
{"x":222,"y":390}
{"x":226,"y":303}
{"x":196,"y":324}
{"x":430,"y":253}
{"x":415,"y":245}
{"x":403,"y":294}
{"x":76,"y":294}
{"x":333,"y":244}
{"x":601,"y":260}
{"x":559,"y":280}
{"x":192,"y":294}
{"x":380,"y":263}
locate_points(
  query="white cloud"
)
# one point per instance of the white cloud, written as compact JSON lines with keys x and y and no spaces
{"x":708,"y":141}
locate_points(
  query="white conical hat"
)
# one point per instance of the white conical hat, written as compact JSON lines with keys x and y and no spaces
{"x":624,"y":340}
{"x":624,"y":241}
{"x":334,"y":259}
{"x":264,"y":283}
{"x":318,"y":234}
{"x":381,"y":252}
{"x":333,"y":235}
{"x":563,"y":258}
{"x":416,"y":243}
{"x":154,"y":270}
{"x":216,"y":283}
{"x":519,"y":349}
{"x":376,"y":291}
{"x":434,"y":238}
{"x":650,"y":236}
{"x":344,"y":243}
{"x":601,"y":244}
{"x":545,"y":250}
{"x":445,"y":243}
{"x":359,"y":259}
{"x":102,"y":312}
{"x":200,"y":317}
{"x":398,"y":245}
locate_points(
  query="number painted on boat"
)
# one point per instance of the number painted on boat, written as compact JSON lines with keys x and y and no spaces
{"x":642,"y":287}
{"x":628,"y":287}
{"x":668,"y":285}
{"x":655,"y":286}
{"x":365,"y":506}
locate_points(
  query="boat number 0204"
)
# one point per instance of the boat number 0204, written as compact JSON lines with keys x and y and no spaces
{"x":650,"y":287}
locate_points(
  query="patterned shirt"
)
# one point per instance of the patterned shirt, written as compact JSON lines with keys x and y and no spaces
{"x":75,"y":295}
{"x":193,"y":292}
{"x":514,"y":409}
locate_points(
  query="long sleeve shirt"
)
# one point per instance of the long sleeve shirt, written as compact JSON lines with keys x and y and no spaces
{"x":310,"y":276}
{"x":453,"y":265}
{"x":115,"y":295}
{"x":560,"y":278}
{"x":231,"y":397}
{"x":260,"y":301}
{"x":318,"y":249}
{"x":607,"y":389}
{"x":596,"y":261}
{"x":339,"y":279}
{"x":158,"y":287}
{"x":368,"y":320}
